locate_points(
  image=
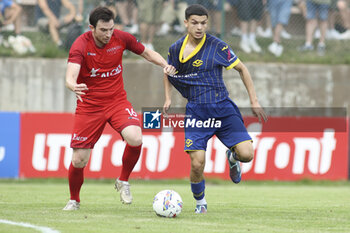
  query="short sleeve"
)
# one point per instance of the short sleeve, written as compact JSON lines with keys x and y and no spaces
{"x":76,"y":52}
{"x":131,"y":43}
{"x":225,"y":56}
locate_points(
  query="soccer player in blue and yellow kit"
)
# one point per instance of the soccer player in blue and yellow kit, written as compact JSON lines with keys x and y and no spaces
{"x":199,"y":58}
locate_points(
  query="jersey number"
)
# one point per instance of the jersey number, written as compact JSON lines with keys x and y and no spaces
{"x":131,"y":112}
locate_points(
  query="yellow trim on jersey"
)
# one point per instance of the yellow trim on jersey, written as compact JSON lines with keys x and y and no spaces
{"x":194,"y":52}
{"x":194,"y":150}
{"x":240,"y":143}
{"x":233,"y":64}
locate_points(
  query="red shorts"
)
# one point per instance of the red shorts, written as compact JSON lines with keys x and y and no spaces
{"x":89,"y":125}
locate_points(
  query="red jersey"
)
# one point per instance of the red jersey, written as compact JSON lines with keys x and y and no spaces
{"x":101,"y":68}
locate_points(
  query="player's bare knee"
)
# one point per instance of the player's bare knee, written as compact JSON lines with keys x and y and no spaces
{"x":134,"y":141}
{"x":196,"y":171}
{"x":79,"y":162}
{"x":197,"y":166}
{"x":133,"y":136}
{"x":245,"y":155}
{"x":80,"y":157}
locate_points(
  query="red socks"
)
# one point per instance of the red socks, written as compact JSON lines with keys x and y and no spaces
{"x":76,"y":175}
{"x":76,"y":180}
{"x":130,"y":157}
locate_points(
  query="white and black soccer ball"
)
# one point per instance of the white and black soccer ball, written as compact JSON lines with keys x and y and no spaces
{"x":167,"y":203}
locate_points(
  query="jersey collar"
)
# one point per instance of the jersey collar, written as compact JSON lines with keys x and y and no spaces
{"x":194,"y":52}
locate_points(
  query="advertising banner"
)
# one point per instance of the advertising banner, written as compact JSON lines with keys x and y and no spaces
{"x":9,"y":144}
{"x":283,"y":150}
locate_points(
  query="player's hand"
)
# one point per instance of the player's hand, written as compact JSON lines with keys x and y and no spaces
{"x":166,"y":106}
{"x":169,"y":70}
{"x":259,"y":112}
{"x":79,"y":90}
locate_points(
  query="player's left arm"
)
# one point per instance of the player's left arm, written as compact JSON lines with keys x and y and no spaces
{"x":157,"y":59}
{"x":249,"y":85}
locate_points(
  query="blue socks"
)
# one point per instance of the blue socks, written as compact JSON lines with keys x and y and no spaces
{"x":198,"y":190}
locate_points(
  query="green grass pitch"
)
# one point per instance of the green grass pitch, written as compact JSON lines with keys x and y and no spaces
{"x":248,"y":207}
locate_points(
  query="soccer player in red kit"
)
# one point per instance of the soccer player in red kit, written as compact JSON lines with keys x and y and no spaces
{"x":94,"y":74}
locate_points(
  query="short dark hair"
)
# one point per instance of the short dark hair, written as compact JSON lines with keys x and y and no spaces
{"x":100,"y":13}
{"x":196,"y":9}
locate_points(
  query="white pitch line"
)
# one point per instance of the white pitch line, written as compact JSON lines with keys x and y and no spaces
{"x":23,"y":224}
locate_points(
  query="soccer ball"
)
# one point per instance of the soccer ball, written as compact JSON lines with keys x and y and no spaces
{"x":167,"y":203}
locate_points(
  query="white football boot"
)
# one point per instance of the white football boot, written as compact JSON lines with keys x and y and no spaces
{"x":124,"y":188}
{"x":72,"y":205}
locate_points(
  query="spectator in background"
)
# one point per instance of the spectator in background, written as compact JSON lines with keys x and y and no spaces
{"x":173,"y":10}
{"x":341,"y":7}
{"x":150,"y":12}
{"x":345,"y":15}
{"x":215,"y":8}
{"x":128,"y":13}
{"x":249,"y":12}
{"x":314,"y":8}
{"x":302,"y":6}
{"x":49,"y":13}
{"x":331,"y":33}
{"x":265,"y":22}
{"x":279,"y":13}
{"x":111,"y":5}
{"x":264,"y":28}
{"x":235,"y":30}
{"x":10,"y":14}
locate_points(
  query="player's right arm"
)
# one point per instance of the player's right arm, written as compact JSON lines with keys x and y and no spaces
{"x":167,"y":92}
{"x":248,"y":83}
{"x":72,"y":74}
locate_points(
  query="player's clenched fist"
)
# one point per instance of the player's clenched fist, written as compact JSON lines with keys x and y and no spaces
{"x":169,"y":70}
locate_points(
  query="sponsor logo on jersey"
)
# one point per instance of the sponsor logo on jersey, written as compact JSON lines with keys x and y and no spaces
{"x":114,"y":49}
{"x":224,"y":48}
{"x":79,"y":138}
{"x":91,"y":54}
{"x":94,"y":72}
{"x":197,"y":63}
{"x":113,"y":72}
{"x":191,"y":75}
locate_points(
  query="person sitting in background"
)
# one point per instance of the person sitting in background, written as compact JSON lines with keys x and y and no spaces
{"x":342,"y":7}
{"x":173,"y":11}
{"x":49,"y":12}
{"x":279,"y":12}
{"x":234,"y":20}
{"x":10,"y":14}
{"x":128,"y":13}
{"x":301,"y":4}
{"x":149,"y":17}
{"x":314,"y":8}
{"x":249,"y":12}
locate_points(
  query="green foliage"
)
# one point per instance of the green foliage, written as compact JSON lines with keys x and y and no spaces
{"x":248,"y":207}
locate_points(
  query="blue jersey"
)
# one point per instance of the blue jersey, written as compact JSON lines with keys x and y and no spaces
{"x":199,"y":76}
